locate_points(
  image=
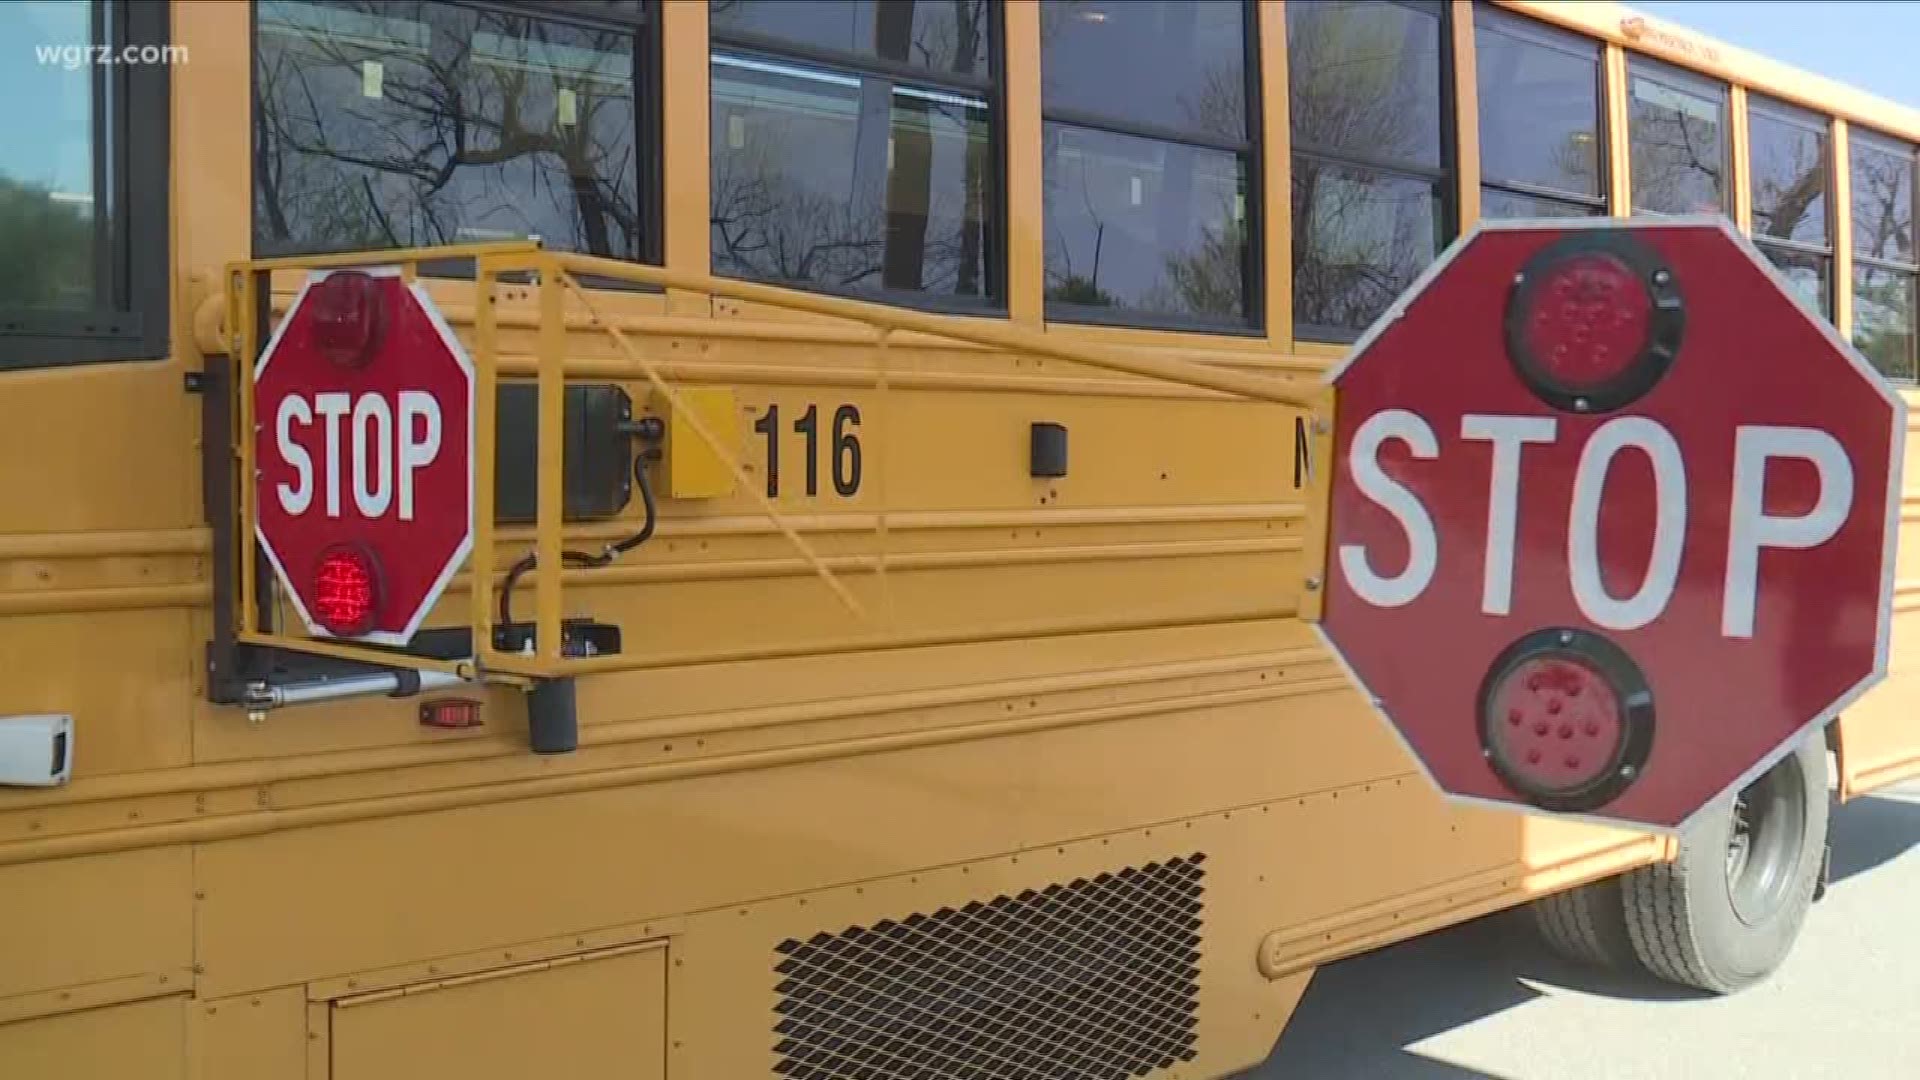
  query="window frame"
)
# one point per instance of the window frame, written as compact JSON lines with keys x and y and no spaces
{"x":131,"y":106}
{"x":1777,"y":111}
{"x":648,"y":134}
{"x":1534,"y":32}
{"x":1254,"y":269}
{"x":1446,"y":175}
{"x":1882,"y":143}
{"x":775,"y":49}
{"x":1683,"y":80}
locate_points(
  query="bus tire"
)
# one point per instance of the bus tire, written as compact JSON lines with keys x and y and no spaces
{"x":1586,"y":924}
{"x":1723,"y":915}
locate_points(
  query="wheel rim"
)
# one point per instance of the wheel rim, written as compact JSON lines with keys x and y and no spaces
{"x":1765,"y":839}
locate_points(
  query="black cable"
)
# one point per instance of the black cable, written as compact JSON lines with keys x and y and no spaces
{"x":581,"y":558}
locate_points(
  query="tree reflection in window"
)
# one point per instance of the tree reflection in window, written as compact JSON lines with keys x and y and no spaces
{"x":1369,"y":195}
{"x":385,"y":125}
{"x":1885,"y":267}
{"x":831,"y":166}
{"x":1790,"y":176}
{"x":1677,"y":134}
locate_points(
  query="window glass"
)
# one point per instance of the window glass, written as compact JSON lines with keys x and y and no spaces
{"x":950,"y":36}
{"x":1883,"y":326}
{"x":1370,"y":208}
{"x":1499,"y":203}
{"x":1173,"y":65}
{"x":1539,"y":107}
{"x":1808,"y":275}
{"x":1676,"y":128}
{"x":1882,"y":196}
{"x":1364,"y":80}
{"x":411,"y":124}
{"x":1789,"y":176}
{"x":1360,"y":238}
{"x":848,"y":181}
{"x":1144,"y":224}
{"x":50,"y":203}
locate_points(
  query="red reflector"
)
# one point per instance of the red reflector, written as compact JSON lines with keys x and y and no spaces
{"x":1557,"y":724}
{"x":346,"y":590}
{"x":1589,"y":320}
{"x":450,"y":713}
{"x":349,"y":317}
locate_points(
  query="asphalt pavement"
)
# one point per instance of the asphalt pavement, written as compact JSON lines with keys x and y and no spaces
{"x":1486,"y":1001}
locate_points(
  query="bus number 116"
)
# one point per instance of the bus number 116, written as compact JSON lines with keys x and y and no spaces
{"x":844,"y":453}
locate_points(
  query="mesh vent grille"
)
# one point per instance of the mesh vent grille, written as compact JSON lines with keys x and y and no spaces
{"x":1091,"y":980}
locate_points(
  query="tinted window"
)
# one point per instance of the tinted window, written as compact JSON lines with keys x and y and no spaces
{"x":51,"y":203}
{"x":1369,"y":191}
{"x":1144,"y":224}
{"x":1364,"y":79}
{"x":848,"y":181}
{"x":1883,"y":323}
{"x":84,"y":266}
{"x":947,"y":36}
{"x":1148,"y":161}
{"x":1789,"y":176}
{"x":1677,"y":130}
{"x":410,"y":124}
{"x":1539,"y":107}
{"x":1174,"y":65}
{"x":1882,"y":181}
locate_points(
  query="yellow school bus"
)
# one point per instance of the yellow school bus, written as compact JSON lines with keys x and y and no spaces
{"x":929,"y":392}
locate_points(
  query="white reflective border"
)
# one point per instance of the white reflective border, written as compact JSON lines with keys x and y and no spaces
{"x":1896,"y":447}
{"x":465,"y":547}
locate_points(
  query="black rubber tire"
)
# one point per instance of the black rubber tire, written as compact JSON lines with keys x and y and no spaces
{"x":1682,"y":917}
{"x":1587,"y":924}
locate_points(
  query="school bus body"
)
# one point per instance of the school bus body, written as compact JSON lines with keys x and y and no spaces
{"x":1085,"y":725}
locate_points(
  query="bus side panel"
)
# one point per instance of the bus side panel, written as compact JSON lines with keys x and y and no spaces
{"x":71,"y":922}
{"x":146,"y":1039}
{"x":1879,"y":738}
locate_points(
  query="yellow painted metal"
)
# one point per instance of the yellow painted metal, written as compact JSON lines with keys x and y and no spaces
{"x":693,"y":470}
{"x":600,"y":1014}
{"x":758,"y":761}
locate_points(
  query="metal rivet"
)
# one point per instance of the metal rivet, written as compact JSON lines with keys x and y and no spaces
{"x":1580,"y":404}
{"x":1313,"y":583}
{"x":1626,"y":772}
{"x":1661,"y":277}
{"x":1566,"y":637}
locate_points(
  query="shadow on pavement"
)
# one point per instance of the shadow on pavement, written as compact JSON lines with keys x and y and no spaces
{"x":1364,"y":1017}
{"x":1869,"y":831}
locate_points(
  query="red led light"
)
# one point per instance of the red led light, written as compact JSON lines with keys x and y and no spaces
{"x":346,"y":591}
{"x":450,"y":713}
{"x":1589,"y":320}
{"x":349,"y":316}
{"x":1558,"y":724}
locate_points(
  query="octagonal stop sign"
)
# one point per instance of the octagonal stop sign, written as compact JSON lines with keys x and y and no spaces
{"x":363,"y":449}
{"x":1612,"y":518}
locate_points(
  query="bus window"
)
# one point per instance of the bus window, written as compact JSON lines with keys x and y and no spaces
{"x":1371,"y":182}
{"x":852,"y":148}
{"x":1791,"y":176}
{"x":85,"y":277}
{"x":1881,"y":172}
{"x":1677,"y":142}
{"x":1148,"y":152}
{"x":404,"y":125}
{"x":1541,"y":150}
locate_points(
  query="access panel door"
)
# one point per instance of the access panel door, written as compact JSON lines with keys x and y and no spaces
{"x":587,"y":1017}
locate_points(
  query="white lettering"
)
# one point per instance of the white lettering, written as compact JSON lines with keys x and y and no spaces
{"x":333,"y":406}
{"x":1508,"y":434}
{"x":294,"y":500}
{"x":1750,"y":527}
{"x":372,"y":499}
{"x":1423,"y":548}
{"x":1669,"y":523}
{"x":416,"y":454}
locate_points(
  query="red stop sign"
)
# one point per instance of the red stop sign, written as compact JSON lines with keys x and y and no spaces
{"x":363,"y":442}
{"x":1612,"y":518}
